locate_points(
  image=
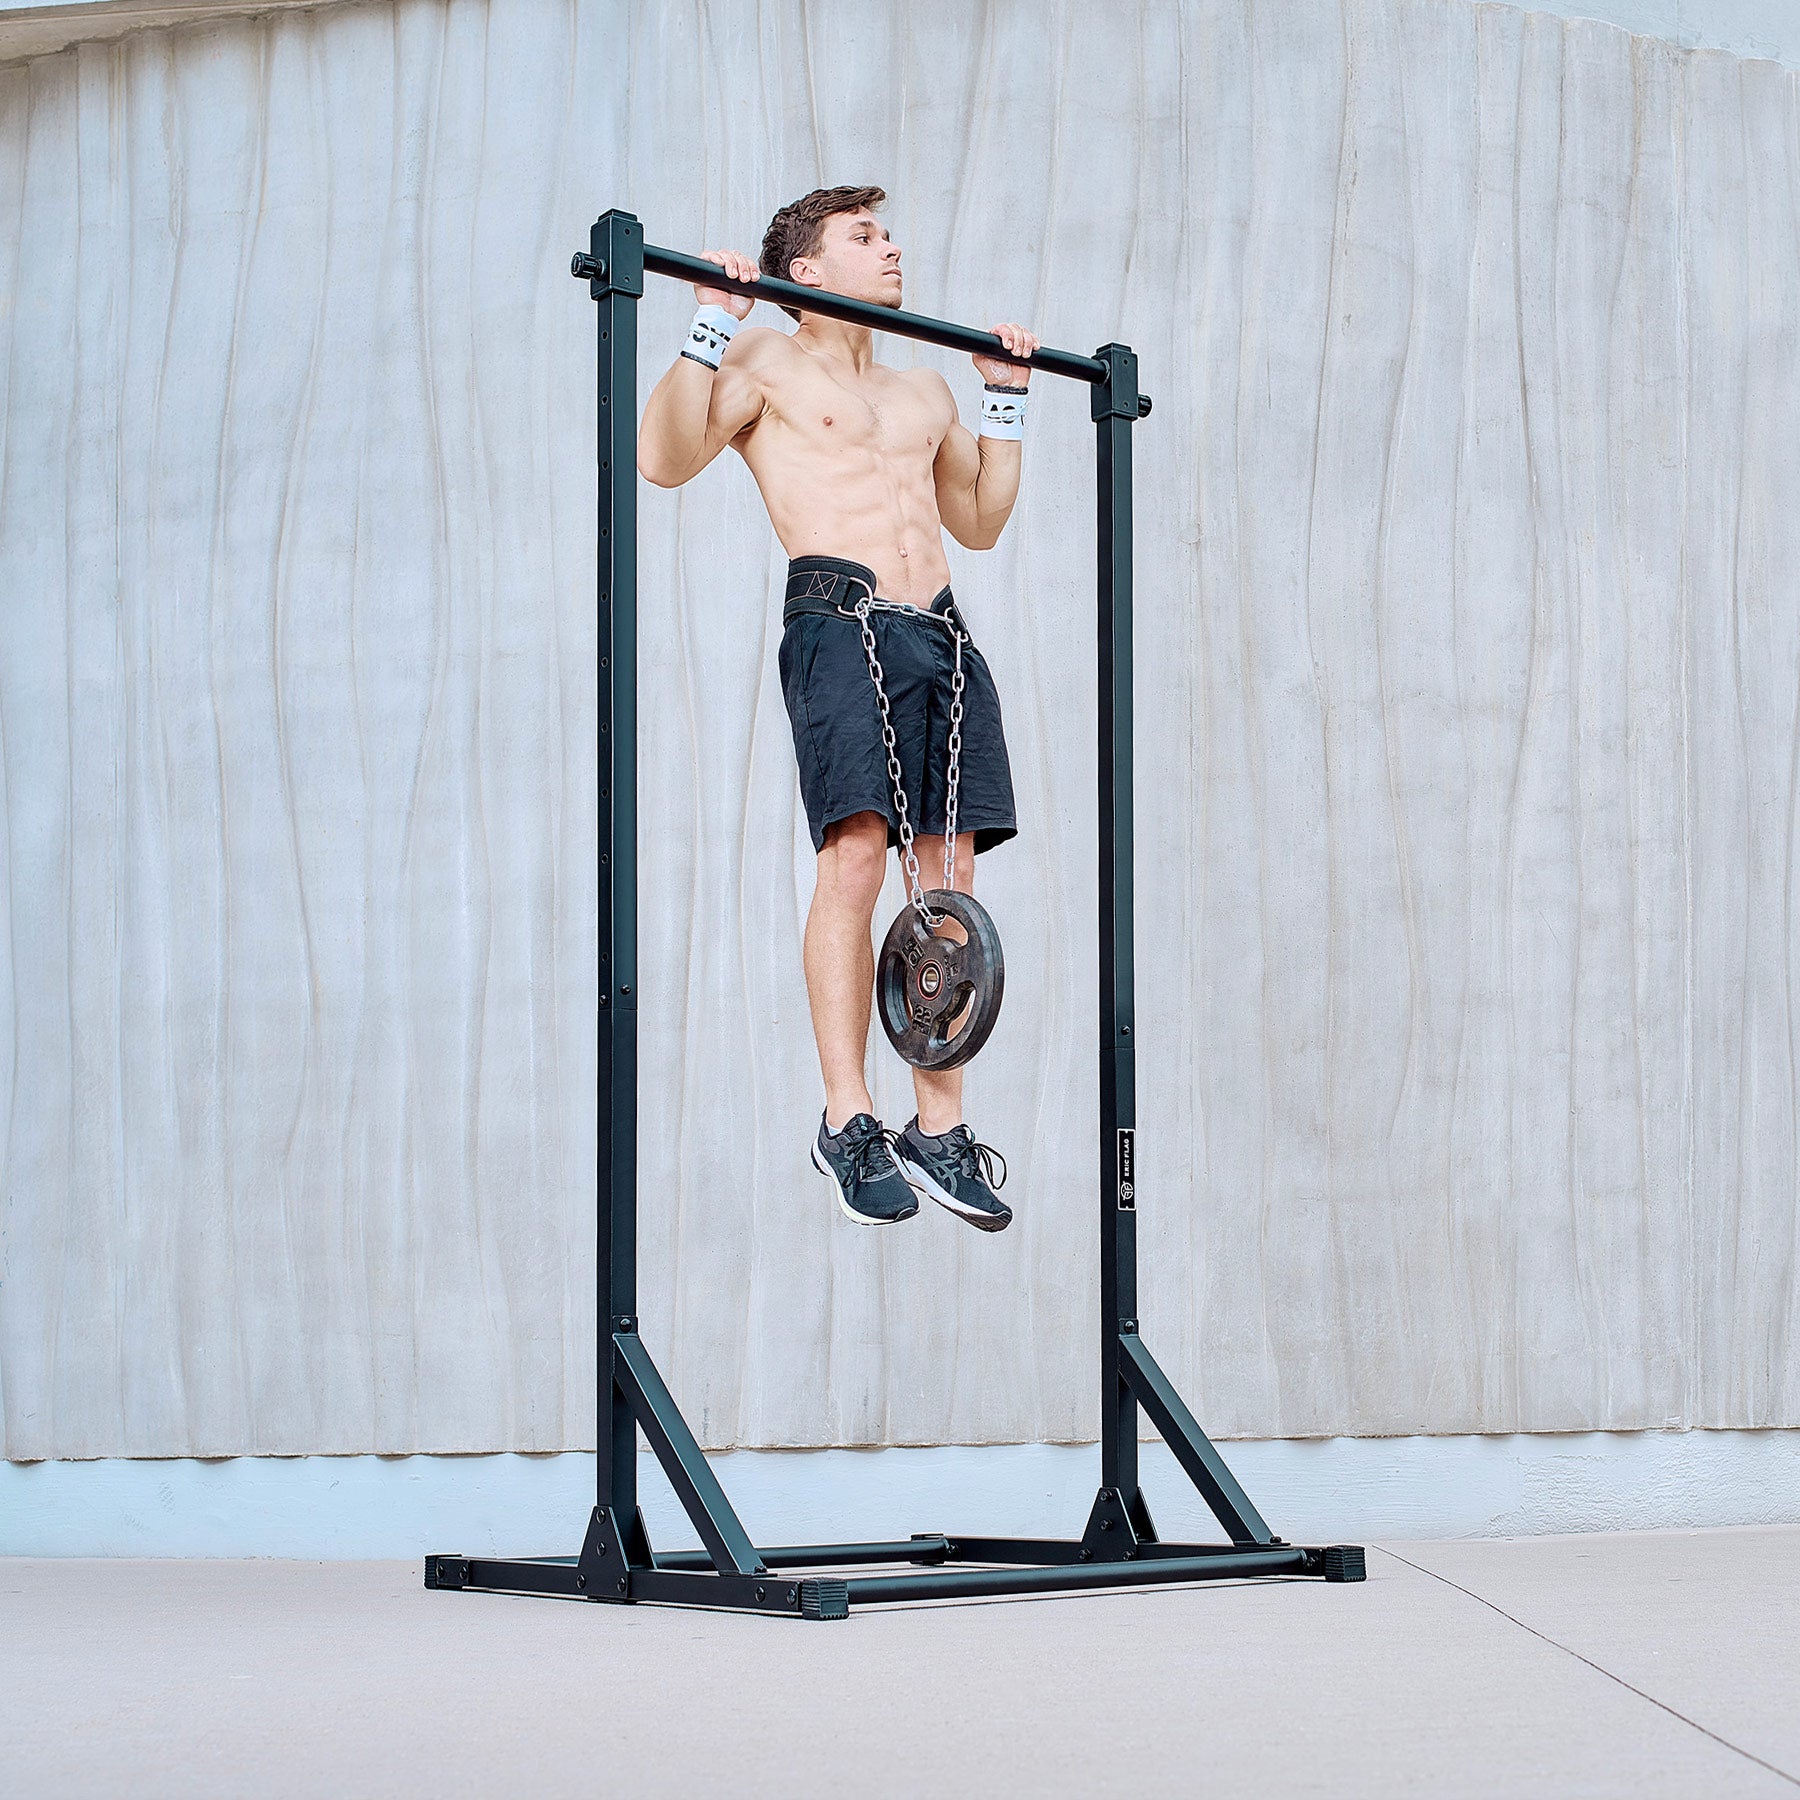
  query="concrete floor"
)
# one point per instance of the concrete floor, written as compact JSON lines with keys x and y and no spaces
{"x":1653,"y":1664}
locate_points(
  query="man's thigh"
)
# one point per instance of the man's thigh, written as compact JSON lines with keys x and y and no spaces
{"x":985,"y":805}
{"x":837,"y":724}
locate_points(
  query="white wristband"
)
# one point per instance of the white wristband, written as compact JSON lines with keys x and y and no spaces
{"x":712,"y":329}
{"x":1002,"y":412}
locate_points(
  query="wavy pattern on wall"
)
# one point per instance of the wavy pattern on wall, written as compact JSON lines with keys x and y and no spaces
{"x":1468,"y":683}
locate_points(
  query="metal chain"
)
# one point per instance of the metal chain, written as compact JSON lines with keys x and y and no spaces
{"x":908,"y":856}
{"x":956,"y":719}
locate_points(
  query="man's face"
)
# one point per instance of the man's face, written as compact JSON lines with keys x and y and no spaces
{"x":857,"y":257}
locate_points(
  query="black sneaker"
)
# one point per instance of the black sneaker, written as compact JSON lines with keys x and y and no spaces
{"x":860,"y":1159}
{"x":957,"y":1173}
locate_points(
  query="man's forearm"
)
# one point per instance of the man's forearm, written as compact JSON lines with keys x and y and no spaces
{"x":672,"y":437}
{"x":996,"y":488}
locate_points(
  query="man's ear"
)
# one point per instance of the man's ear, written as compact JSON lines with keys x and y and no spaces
{"x":802,"y":272}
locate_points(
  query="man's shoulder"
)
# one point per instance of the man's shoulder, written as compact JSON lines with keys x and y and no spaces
{"x":927,"y":381}
{"x":762,"y":344}
{"x":764,"y":357}
{"x":932,"y":389}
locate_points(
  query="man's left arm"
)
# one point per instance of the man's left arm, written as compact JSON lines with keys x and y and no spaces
{"x":978,"y":477}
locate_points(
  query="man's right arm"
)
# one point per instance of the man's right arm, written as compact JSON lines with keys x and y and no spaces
{"x":695,"y":411}
{"x":693,"y":414}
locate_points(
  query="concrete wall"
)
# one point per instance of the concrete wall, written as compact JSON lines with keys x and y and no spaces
{"x":1757,"y":28}
{"x":1467,"y":727}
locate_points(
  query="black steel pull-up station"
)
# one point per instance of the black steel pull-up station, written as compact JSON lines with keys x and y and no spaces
{"x":1119,"y":1546}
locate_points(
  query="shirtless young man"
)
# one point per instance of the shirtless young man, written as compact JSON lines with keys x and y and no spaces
{"x":863,"y":469}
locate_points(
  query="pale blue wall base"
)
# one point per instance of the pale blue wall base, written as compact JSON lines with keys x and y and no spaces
{"x":1317,"y":1491}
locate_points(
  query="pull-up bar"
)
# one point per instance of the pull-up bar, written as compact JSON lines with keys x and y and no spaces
{"x":683,"y":267}
{"x":1119,"y":1546}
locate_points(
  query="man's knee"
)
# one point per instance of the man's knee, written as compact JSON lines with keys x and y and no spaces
{"x":965,"y":865}
{"x":931,"y":862}
{"x":853,"y":862}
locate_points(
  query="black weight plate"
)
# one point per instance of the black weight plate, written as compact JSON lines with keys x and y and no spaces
{"x":938,"y":998}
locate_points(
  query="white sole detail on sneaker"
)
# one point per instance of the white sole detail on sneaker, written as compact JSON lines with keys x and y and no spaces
{"x":921,"y":1181}
{"x":844,"y":1206}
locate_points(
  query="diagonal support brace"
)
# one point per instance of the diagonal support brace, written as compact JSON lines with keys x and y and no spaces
{"x":683,"y":1461}
{"x":1193,"y":1448}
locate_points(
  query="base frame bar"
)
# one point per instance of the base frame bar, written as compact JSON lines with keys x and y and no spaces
{"x":1056,"y":1568}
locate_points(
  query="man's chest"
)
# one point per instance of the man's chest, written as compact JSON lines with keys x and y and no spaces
{"x":887,"y":414}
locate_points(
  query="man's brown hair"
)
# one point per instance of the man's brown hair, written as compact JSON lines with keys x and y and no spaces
{"x":799,"y":228}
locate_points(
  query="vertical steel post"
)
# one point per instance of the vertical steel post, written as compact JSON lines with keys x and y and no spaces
{"x":1116,"y":408}
{"x":616,"y":274}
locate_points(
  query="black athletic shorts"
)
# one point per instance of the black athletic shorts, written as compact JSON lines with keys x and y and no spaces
{"x":837,"y":721}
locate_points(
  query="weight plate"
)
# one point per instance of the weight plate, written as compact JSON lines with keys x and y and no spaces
{"x":939,"y":998}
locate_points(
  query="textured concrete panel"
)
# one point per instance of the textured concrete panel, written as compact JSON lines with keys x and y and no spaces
{"x":1467,"y":727}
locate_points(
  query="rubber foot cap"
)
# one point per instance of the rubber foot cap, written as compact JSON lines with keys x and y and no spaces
{"x":825,"y":1599}
{"x":1344,"y":1562}
{"x":446,"y":1571}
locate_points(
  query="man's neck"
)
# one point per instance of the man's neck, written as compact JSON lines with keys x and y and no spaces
{"x":837,"y":342}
